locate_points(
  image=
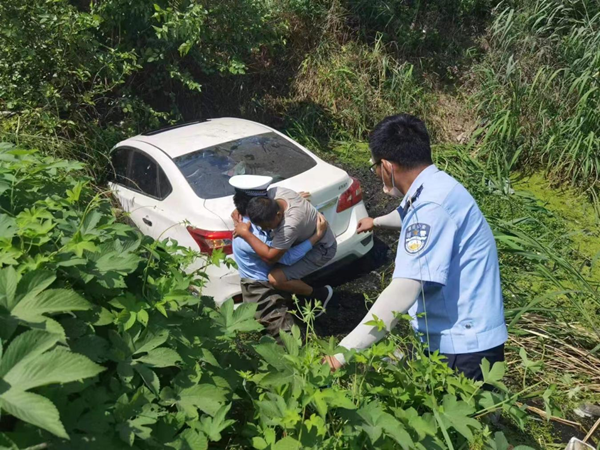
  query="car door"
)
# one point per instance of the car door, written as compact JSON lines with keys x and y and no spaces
{"x":141,"y":189}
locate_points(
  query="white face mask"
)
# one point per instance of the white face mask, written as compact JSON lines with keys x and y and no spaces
{"x":393,"y":191}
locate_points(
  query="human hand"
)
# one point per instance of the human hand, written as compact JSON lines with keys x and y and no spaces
{"x":334,"y":364}
{"x":241,"y":229}
{"x":322,"y":225}
{"x":365,"y":225}
{"x":305,"y":195}
{"x":236,"y":216}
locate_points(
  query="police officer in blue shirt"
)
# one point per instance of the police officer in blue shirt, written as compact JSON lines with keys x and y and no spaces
{"x":446,"y":272}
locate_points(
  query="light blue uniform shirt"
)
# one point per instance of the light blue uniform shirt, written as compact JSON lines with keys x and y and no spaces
{"x":249,"y":263}
{"x":447,"y":243}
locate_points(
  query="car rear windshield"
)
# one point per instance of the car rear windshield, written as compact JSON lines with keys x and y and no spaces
{"x":208,"y":170}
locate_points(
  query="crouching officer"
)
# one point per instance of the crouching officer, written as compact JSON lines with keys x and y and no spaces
{"x":446,"y":273}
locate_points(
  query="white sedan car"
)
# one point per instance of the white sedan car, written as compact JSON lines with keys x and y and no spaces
{"x":177,"y":176}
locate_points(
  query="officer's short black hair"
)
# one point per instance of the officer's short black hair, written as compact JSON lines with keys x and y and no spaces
{"x":262,"y":210}
{"x":241,"y":200}
{"x":402,"y":139}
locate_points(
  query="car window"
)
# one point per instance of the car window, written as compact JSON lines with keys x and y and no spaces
{"x":118,"y":170}
{"x":163,"y":184}
{"x":143,"y":175}
{"x":208,"y":170}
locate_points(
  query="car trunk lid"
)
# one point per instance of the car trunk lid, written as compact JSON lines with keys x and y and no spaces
{"x":324,"y":182}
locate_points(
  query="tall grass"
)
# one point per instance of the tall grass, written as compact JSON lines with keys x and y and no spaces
{"x":343,"y":90}
{"x":538,"y":92}
{"x":541,"y":270}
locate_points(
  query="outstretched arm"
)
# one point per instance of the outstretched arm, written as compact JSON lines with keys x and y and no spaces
{"x":397,"y":298}
{"x":391,"y":221}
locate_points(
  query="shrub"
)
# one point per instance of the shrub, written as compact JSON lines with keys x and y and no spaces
{"x":86,"y":77}
{"x":105,"y":346}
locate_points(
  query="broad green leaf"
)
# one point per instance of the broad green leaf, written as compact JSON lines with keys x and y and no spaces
{"x":142,"y":317}
{"x":8,"y":287}
{"x":109,"y":259}
{"x":287,"y":443}
{"x":90,"y":221}
{"x":128,"y":319}
{"x":33,"y":409}
{"x":56,"y":366}
{"x":370,"y":414}
{"x":160,"y":357}
{"x":291,"y":344}
{"x":259,"y":443}
{"x":189,"y":440}
{"x":8,"y":227}
{"x":9,"y":256}
{"x":49,"y":325}
{"x":6,"y":443}
{"x":207,"y":397}
{"x":136,"y":427}
{"x":396,"y":430}
{"x":148,"y":376}
{"x":273,"y":354}
{"x":243,"y":318}
{"x":209,"y":358}
{"x":327,"y":398}
{"x":32,"y":283}
{"x":104,"y":317}
{"x":212,"y":426}
{"x":495,"y":375}
{"x":423,"y":424}
{"x":150,"y":340}
{"x":456,"y":414}
{"x":26,"y":346}
{"x":500,"y":442}
{"x":50,"y":301}
{"x":239,"y":320}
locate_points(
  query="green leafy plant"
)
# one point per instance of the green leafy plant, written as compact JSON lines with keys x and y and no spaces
{"x":32,"y":360}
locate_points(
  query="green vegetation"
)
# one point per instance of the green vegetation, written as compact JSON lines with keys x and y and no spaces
{"x":102,"y":336}
{"x":100,"y":323}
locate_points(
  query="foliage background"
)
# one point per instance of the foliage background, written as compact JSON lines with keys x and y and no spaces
{"x":509,"y":91}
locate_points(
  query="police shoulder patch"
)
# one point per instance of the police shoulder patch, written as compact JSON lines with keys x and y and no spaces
{"x":416,"y":237}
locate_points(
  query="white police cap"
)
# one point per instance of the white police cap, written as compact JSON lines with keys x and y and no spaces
{"x":253,"y":185}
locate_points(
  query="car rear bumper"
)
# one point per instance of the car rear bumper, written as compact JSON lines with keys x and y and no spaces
{"x":224,"y":282}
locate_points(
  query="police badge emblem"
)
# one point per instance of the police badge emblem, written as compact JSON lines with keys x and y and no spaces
{"x":416,"y":237}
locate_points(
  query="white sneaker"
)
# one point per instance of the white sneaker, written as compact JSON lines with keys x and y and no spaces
{"x":326,"y":301}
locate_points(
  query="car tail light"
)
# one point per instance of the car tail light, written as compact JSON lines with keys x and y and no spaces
{"x":208,"y":241}
{"x":351,"y":197}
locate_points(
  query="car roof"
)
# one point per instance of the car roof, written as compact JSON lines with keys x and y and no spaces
{"x":184,"y":139}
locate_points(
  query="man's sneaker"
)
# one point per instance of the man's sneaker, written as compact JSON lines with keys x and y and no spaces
{"x":323,"y":294}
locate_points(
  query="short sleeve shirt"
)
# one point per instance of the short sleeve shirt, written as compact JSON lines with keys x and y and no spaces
{"x":299,"y":222}
{"x":446,"y":243}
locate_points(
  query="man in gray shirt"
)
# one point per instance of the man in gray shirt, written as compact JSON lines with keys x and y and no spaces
{"x":292,"y":220}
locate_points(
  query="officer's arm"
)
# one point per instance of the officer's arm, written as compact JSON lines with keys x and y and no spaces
{"x":397,"y":298}
{"x":391,"y":221}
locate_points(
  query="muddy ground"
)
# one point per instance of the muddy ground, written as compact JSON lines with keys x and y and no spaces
{"x":366,"y":276}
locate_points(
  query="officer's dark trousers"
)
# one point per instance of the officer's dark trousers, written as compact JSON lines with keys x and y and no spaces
{"x":469,"y":363}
